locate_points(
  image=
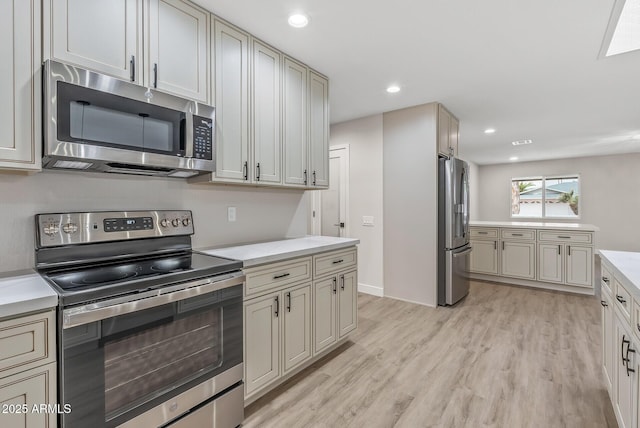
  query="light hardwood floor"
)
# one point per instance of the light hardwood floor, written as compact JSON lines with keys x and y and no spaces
{"x":503,"y":357}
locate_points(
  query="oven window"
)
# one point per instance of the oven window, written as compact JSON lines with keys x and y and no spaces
{"x":143,"y":363}
{"x":94,"y":117}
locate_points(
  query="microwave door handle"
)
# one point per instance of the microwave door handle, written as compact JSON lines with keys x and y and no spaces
{"x":186,"y":142}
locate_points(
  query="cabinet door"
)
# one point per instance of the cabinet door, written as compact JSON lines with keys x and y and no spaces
{"x":178,"y":49}
{"x":484,"y":257}
{"x":347,"y":303}
{"x":324,"y":313}
{"x":608,"y":338}
{"x":625,"y":383}
{"x":295,"y":123}
{"x":33,"y":387}
{"x":102,"y":36}
{"x":267,"y":141}
{"x":443,"y":130}
{"x":550,"y":262}
{"x":20,"y":85}
{"x":579,"y":265}
{"x":518,"y":259}
{"x":262,"y":342}
{"x":319,"y":129}
{"x":454,"y":135}
{"x":232,"y":102}
{"x":296,"y":327}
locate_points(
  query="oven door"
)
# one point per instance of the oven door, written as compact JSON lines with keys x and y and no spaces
{"x":137,"y":355}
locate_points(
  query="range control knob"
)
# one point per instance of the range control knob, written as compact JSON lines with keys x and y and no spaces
{"x":175,"y":222}
{"x":70,"y":228}
{"x":186,"y":222}
{"x":51,"y":229}
{"x":164,"y":222}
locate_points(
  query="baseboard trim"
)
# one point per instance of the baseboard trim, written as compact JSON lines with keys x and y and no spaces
{"x":411,"y":301}
{"x":370,"y":289}
{"x":589,"y":291}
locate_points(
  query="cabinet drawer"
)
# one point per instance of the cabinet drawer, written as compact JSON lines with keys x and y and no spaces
{"x":331,"y":262}
{"x":636,"y":319}
{"x":271,"y":276}
{"x":623,"y":300}
{"x":606,"y":278}
{"x":484,"y":232}
{"x":561,"y":235}
{"x":521,"y":234}
{"x":27,"y":342}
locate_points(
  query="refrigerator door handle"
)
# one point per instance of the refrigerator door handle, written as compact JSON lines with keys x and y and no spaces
{"x":462,"y":253}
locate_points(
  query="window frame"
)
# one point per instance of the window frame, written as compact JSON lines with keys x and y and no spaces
{"x":544,"y":179}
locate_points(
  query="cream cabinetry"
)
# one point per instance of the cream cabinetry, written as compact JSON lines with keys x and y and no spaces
{"x":28,"y":370}
{"x":295,"y":123}
{"x":555,"y":259}
{"x":626,"y":376}
{"x":20,"y":85}
{"x":318,"y":129}
{"x":110,"y":38}
{"x":608,"y":340}
{"x":448,"y":132}
{"x":293,"y":315}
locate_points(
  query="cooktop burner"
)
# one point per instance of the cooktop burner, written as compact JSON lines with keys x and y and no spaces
{"x":81,"y":284}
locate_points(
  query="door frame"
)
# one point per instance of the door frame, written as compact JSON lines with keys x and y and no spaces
{"x":315,"y":211}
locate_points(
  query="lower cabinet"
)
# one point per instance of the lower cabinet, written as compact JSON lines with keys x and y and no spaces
{"x":335,"y":309}
{"x":518,"y":259}
{"x":579,"y":265}
{"x":347,"y":303}
{"x":23,"y":395}
{"x":608,"y":339}
{"x":276,"y":324}
{"x":626,"y":376}
{"x":484,"y":257}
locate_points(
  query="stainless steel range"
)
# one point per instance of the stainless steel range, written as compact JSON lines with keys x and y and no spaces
{"x":149,"y":331}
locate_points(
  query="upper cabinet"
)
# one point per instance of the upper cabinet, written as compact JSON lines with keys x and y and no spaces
{"x":177,"y":46}
{"x":20,"y":85}
{"x":319,"y":129}
{"x":448,"y":132}
{"x":295,"y":123}
{"x":110,"y":37}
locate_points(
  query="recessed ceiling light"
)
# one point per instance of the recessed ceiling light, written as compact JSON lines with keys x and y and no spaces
{"x":298,"y":20}
{"x":513,"y":158}
{"x":521,"y":142}
{"x":393,"y":89}
{"x":489,"y":131}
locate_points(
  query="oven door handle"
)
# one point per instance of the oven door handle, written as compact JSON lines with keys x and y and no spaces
{"x":86,"y":314}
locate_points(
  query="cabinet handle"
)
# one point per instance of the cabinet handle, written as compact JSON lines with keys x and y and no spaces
{"x":559,"y":248}
{"x":335,"y":284}
{"x":245,"y":171}
{"x":564,"y":237}
{"x":305,"y":177}
{"x":638,"y":325}
{"x":605,"y":279}
{"x":569,"y":249}
{"x":289,"y":302}
{"x":132,"y":68}
{"x":516,"y":234}
{"x":258,"y":171}
{"x":277,"y":305}
{"x":281,"y":276}
{"x":620,"y":299}
{"x":605,"y":304}
{"x":495,"y":245}
{"x":622,"y":348}
{"x":335,"y":262}
{"x":483,"y":233}
{"x":629,"y":359}
{"x":502,"y":245}
{"x":155,"y":75}
{"x":314,"y":178}
{"x":342,"y":282}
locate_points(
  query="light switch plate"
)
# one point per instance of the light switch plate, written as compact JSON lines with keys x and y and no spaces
{"x":231,"y":214}
{"x":367,"y":220}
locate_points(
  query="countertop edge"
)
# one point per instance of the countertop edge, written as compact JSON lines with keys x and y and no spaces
{"x":633,"y":281}
{"x":23,"y":292}
{"x":582,"y":227}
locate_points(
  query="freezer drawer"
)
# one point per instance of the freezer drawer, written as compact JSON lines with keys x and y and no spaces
{"x":457,"y":267}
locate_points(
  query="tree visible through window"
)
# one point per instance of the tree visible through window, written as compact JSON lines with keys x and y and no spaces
{"x":546,"y":197}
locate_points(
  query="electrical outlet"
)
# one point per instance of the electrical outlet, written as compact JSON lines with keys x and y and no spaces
{"x":367,"y":220}
{"x":231,"y":214}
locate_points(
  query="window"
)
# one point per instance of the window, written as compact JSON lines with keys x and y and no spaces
{"x":546,"y":197}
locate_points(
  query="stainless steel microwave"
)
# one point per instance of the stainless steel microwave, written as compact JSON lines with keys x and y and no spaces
{"x":98,"y":123}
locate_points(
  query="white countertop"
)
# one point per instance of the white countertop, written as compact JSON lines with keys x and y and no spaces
{"x":626,"y":264}
{"x":23,"y":292}
{"x":536,"y":225}
{"x":268,"y":252}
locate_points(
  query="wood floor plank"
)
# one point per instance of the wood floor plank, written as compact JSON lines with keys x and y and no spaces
{"x":503,"y":357}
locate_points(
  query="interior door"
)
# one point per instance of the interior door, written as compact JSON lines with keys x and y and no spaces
{"x":333,"y":201}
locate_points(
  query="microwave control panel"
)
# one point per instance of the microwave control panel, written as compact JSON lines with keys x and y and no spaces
{"x":202,"y":137}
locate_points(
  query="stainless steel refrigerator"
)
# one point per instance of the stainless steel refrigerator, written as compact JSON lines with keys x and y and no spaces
{"x":454,"y":249}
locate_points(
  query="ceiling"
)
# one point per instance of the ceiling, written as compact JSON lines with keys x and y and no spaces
{"x":531,"y":70}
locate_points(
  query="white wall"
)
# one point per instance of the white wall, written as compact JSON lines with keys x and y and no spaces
{"x":364,"y":137}
{"x":262,"y":214}
{"x":410,"y":204}
{"x":474,"y":191}
{"x":609,"y":193}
